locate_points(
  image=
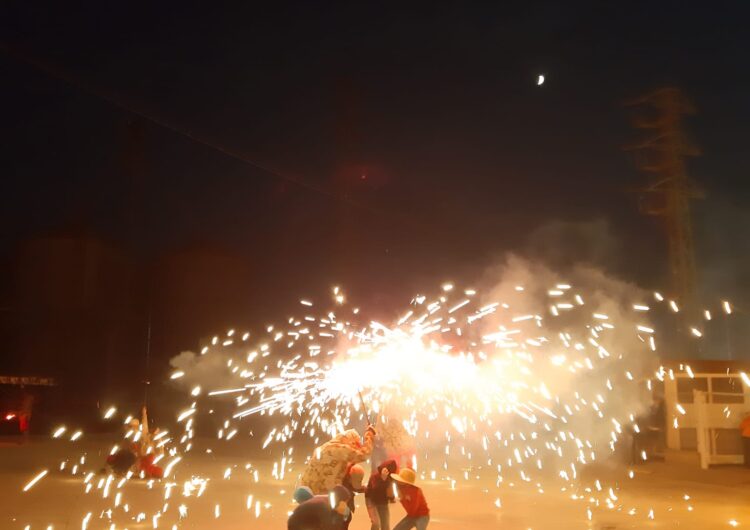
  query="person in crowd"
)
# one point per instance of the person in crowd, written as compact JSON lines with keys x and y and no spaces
{"x":413,"y":501}
{"x":329,"y":462}
{"x":322,"y":512}
{"x":148,"y":450}
{"x":353,"y":479}
{"x":140,"y":453}
{"x":379,"y":493}
{"x":126,"y":458}
{"x":745,"y":432}
{"x":302,"y":494}
{"x":121,"y":461}
{"x":24,"y":414}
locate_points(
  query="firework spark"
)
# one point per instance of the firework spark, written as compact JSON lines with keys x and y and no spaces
{"x":529,"y":388}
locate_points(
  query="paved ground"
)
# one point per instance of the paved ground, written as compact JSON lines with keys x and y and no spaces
{"x":717,"y":496}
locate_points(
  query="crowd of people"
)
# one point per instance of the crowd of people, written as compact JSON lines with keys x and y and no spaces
{"x":334,"y":476}
{"x":328,"y":486}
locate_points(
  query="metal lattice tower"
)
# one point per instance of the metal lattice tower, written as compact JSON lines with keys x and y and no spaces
{"x":662,"y":154}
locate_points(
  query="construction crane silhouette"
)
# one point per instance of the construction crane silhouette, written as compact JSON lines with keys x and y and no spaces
{"x":662,"y":155}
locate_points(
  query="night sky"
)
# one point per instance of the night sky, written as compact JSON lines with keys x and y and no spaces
{"x":392,"y":146}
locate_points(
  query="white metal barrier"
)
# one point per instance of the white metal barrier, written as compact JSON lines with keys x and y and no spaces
{"x":712,"y":417}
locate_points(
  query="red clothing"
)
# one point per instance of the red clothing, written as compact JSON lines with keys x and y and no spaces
{"x":23,"y":422}
{"x":745,"y":427}
{"x":380,"y":491}
{"x":146,"y":465}
{"x":24,"y":414}
{"x":413,"y":501}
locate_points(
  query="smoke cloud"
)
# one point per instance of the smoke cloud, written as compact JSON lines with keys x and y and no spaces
{"x":600,"y":294}
{"x":208,"y":371}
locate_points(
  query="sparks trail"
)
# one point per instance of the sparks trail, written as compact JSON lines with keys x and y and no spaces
{"x":526,"y":395}
{"x":527,"y":389}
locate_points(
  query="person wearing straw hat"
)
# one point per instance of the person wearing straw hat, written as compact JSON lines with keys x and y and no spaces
{"x":413,"y":501}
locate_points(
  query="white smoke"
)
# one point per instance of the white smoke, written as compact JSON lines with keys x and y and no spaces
{"x":600,"y":294}
{"x":208,"y":371}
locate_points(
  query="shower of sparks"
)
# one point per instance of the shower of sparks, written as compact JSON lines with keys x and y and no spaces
{"x":527,"y":396}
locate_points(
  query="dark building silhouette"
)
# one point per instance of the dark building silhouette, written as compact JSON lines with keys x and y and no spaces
{"x":83,"y":311}
{"x":74,"y":312}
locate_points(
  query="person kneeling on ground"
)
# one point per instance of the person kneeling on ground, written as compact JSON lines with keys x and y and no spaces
{"x":126,"y":458}
{"x":148,"y":451}
{"x":413,"y":501}
{"x":378,"y":494}
{"x":322,"y":512}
